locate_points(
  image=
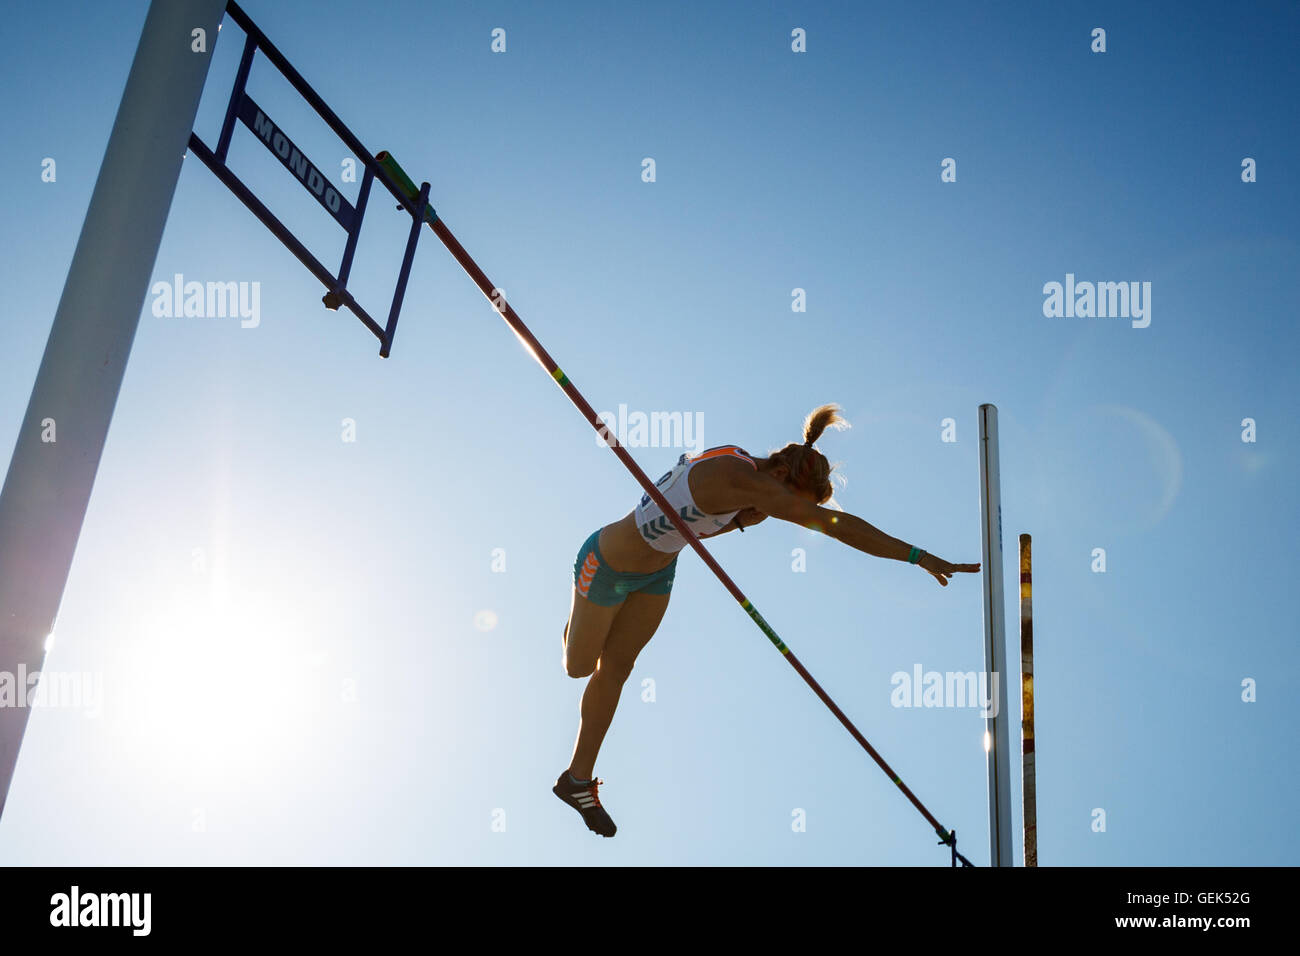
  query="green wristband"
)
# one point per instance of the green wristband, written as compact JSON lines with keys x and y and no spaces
{"x":915,"y":555}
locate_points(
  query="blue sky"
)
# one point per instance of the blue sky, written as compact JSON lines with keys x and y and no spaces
{"x":305,"y":651}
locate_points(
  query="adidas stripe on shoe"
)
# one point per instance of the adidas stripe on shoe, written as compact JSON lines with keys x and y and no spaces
{"x":584,"y":797}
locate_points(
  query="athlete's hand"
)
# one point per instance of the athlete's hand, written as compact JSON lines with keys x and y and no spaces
{"x":942,"y":570}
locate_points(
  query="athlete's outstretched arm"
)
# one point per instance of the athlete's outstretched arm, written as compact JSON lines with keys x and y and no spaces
{"x":772,"y":497}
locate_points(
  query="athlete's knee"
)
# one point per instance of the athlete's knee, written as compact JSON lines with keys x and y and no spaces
{"x":576,"y":667}
{"x":615,"y":668}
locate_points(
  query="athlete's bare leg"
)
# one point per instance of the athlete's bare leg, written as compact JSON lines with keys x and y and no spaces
{"x":634,"y":623}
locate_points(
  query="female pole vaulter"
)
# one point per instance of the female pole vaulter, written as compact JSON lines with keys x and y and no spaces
{"x":624,"y":572}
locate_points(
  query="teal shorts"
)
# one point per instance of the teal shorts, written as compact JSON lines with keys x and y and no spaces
{"x":602,"y":585}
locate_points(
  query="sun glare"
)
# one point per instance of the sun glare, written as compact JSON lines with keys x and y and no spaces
{"x":219,"y":692}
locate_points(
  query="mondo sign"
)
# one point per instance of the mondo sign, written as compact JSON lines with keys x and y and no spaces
{"x":294,"y":161}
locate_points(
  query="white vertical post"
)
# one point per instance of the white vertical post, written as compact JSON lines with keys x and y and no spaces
{"x":997,"y":740}
{"x":61,"y":438}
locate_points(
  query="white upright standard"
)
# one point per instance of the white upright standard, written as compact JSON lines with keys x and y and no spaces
{"x":997,"y":737}
{"x":61,"y":437}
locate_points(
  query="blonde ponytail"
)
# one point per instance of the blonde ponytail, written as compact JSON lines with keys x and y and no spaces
{"x":809,"y":469}
{"x":818,"y":420}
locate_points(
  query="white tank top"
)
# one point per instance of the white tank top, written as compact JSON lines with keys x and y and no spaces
{"x":657,"y":530}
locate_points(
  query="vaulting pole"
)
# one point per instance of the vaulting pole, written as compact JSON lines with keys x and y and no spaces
{"x":485,"y":285}
{"x":1028,"y":788}
{"x":61,"y":437}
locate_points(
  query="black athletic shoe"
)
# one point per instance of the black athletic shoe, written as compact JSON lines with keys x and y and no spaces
{"x":584,"y":798}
